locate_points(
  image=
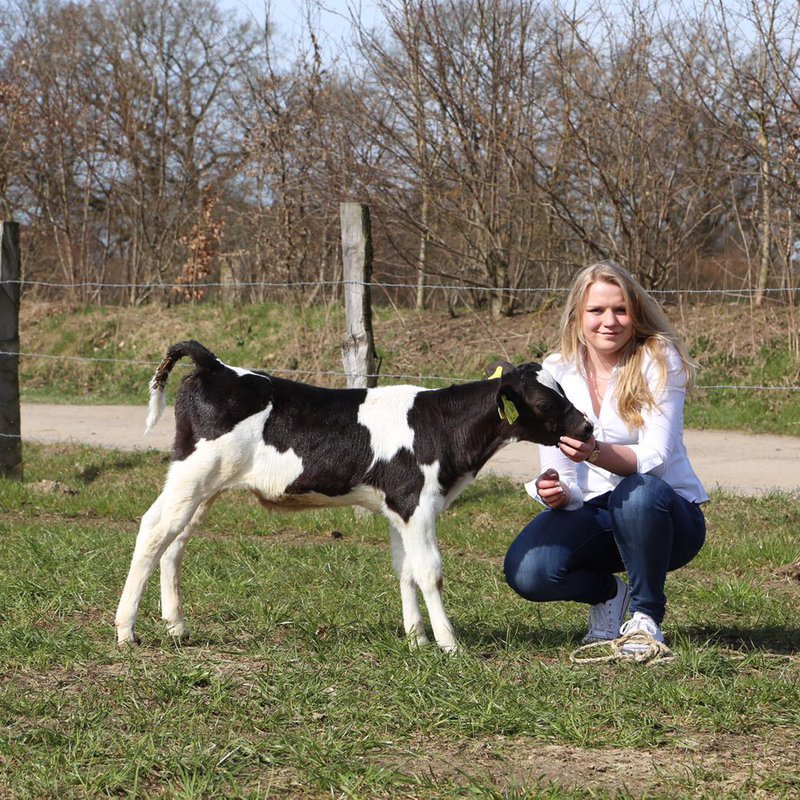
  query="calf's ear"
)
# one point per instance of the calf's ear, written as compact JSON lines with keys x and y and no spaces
{"x":496,"y":369}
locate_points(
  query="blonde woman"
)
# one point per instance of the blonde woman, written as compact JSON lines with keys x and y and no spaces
{"x":627,"y":499}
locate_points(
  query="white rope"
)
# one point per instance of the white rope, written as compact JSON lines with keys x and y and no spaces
{"x":649,"y":651}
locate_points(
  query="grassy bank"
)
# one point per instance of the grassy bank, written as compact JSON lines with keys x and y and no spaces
{"x":297,"y":682}
{"x":107,"y":355}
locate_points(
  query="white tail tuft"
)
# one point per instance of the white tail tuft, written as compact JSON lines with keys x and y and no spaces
{"x":158,"y":402}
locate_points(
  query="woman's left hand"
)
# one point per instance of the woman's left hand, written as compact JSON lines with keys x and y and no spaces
{"x":576,"y":450}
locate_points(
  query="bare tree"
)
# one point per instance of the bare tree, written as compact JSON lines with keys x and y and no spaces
{"x":302,"y":157}
{"x":16,"y":134}
{"x":50,"y":60}
{"x":461,"y":78}
{"x":747,"y":87}
{"x":131,"y":101}
{"x":170,"y":69}
{"x":628,"y":174}
{"x":500,"y":143}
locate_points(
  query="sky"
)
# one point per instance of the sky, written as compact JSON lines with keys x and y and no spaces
{"x":331,"y":19}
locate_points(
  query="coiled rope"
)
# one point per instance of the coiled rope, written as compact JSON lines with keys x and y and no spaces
{"x":649,"y":651}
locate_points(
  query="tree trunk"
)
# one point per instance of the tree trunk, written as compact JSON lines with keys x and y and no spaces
{"x":766,"y":239}
{"x":422,"y":252}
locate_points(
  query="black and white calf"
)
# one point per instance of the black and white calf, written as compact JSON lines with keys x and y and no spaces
{"x":403,"y":451}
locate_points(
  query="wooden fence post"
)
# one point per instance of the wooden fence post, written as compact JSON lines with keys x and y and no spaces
{"x":358,"y":347}
{"x":229,"y":293}
{"x":10,"y":440}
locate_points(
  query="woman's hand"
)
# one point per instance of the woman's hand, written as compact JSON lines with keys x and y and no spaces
{"x":576,"y":450}
{"x":551,"y":490}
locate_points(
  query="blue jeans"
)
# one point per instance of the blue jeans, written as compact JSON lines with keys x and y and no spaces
{"x":642,"y":527}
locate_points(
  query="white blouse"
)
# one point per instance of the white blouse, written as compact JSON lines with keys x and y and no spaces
{"x":658,"y":444}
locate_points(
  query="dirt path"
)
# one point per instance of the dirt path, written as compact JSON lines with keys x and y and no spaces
{"x":738,"y":462}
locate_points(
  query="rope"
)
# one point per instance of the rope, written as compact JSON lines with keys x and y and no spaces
{"x":653,"y":652}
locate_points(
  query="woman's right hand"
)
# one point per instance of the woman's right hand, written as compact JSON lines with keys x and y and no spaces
{"x":551,"y":490}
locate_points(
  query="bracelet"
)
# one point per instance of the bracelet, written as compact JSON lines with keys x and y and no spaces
{"x":595,"y":454}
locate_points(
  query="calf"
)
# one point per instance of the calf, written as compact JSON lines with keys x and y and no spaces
{"x":402,"y":451}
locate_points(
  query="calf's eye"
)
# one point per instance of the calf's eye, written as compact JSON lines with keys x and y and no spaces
{"x":544,"y":407}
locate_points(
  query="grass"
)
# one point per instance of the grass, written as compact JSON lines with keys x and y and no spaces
{"x":297,"y":682}
{"x":751,"y":410}
{"x":107,"y":354}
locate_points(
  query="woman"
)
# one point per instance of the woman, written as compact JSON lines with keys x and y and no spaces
{"x":627,"y":499}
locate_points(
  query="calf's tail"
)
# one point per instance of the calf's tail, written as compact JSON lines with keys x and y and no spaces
{"x":203,"y":358}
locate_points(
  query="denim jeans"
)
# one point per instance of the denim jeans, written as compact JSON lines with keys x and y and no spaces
{"x":642,"y":527}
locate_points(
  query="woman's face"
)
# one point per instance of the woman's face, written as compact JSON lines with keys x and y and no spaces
{"x":606,"y":326}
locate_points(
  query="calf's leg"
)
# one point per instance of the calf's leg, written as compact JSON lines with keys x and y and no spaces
{"x":167,"y":517}
{"x":170,"y":573}
{"x":425,"y":564}
{"x":413,"y":623}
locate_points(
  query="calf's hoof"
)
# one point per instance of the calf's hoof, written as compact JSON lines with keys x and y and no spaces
{"x":179,"y":631}
{"x":127,"y":641}
{"x":416,"y":638}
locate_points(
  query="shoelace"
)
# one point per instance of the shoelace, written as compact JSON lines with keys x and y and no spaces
{"x":639,"y":625}
{"x":602,"y":616}
{"x":596,"y":617}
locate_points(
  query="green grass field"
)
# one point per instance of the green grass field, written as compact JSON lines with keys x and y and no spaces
{"x":297,"y":681}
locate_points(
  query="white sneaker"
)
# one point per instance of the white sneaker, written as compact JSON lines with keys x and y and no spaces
{"x":646,"y":626}
{"x":605,"y":618}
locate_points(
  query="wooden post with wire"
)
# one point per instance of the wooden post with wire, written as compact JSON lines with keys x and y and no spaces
{"x":10,"y":438}
{"x":358,"y":347}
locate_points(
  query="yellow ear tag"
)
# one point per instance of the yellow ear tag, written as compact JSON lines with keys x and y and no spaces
{"x":498,"y":373}
{"x":511,"y":411}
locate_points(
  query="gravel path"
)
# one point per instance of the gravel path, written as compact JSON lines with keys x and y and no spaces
{"x":748,"y":464}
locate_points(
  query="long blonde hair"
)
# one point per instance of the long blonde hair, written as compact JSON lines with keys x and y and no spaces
{"x":653,"y":334}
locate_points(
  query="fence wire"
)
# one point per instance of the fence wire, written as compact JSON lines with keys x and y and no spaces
{"x":343,"y":374}
{"x":740,"y":293}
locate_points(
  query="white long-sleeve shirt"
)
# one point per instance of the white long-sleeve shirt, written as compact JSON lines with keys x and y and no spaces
{"x":658,"y":444}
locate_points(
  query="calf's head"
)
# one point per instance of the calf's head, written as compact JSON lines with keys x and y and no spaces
{"x":530,"y":399}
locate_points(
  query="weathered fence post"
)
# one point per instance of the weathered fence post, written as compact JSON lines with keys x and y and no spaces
{"x":10,"y":441}
{"x":358,"y":347}
{"x":229,"y":293}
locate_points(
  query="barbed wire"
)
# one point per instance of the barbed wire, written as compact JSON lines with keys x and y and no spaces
{"x":343,"y":374}
{"x":338,"y":373}
{"x":732,"y":293}
{"x":741,"y":292}
{"x":280,"y":370}
{"x":746,"y":387}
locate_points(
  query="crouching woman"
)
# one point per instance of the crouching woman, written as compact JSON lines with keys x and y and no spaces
{"x":627,"y":500}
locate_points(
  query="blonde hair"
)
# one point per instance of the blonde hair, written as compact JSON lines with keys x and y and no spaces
{"x":653,"y":334}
